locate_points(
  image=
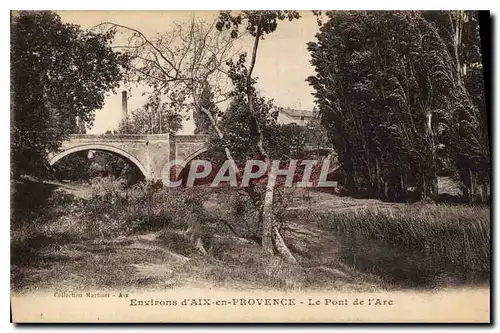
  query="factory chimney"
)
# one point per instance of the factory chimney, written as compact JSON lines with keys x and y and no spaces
{"x":124,"y":105}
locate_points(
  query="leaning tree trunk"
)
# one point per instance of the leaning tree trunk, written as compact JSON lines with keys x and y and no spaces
{"x":271,"y":237}
{"x":281,"y":247}
{"x":268,"y":216}
{"x":269,"y":230}
{"x":268,"y":219}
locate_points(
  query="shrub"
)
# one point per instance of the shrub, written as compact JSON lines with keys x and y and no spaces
{"x":116,"y":209}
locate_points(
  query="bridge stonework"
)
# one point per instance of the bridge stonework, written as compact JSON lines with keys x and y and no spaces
{"x":150,"y":153}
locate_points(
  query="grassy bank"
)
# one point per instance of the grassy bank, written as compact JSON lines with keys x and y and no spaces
{"x":133,"y":237}
{"x":416,"y":245}
{"x":137,"y":237}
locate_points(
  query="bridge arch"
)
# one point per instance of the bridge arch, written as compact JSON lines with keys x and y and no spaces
{"x":180,"y":172}
{"x":96,"y":146}
{"x":195,"y":154}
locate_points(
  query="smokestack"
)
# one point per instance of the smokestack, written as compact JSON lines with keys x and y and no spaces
{"x":124,"y":104}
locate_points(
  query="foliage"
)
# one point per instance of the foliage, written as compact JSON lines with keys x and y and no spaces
{"x":281,"y":141}
{"x":258,"y":22}
{"x":409,"y":246}
{"x":72,"y":167}
{"x":155,"y":117}
{"x":239,"y":134}
{"x":242,"y":134}
{"x":105,"y":164}
{"x":289,"y":141}
{"x":58,"y":72}
{"x":144,"y":206}
{"x":315,"y":134}
{"x":390,"y":97}
{"x":201,"y":120}
{"x":469,"y":140}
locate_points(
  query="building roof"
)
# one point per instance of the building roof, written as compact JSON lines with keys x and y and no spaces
{"x":297,"y":113}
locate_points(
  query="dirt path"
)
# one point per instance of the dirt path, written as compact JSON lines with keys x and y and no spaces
{"x":79,"y":190}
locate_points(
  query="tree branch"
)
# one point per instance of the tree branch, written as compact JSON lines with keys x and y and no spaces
{"x":145,"y":39}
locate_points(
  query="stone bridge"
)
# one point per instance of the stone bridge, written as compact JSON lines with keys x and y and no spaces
{"x":149,"y":153}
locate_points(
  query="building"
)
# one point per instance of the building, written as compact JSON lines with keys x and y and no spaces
{"x":294,"y":116}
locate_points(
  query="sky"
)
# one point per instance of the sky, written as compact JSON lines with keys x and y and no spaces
{"x":282,"y":66}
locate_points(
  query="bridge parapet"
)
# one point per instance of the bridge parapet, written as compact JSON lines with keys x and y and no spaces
{"x":119,"y":137}
{"x":190,"y":138}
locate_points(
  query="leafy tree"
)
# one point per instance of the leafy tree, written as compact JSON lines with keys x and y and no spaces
{"x":181,"y":70}
{"x":393,"y":96}
{"x":258,"y":24}
{"x":155,"y":117}
{"x":315,"y":134}
{"x":468,"y":136}
{"x":178,"y":65}
{"x":206,"y":102}
{"x":289,"y":141}
{"x":387,"y":91}
{"x":58,"y":72}
{"x":237,"y":132}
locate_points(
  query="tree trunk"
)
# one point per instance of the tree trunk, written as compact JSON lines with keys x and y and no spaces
{"x":268,"y":215}
{"x":485,"y":191}
{"x":268,"y":219}
{"x":471,"y":186}
{"x":403,"y":191}
{"x":281,"y":247}
{"x":430,"y":175}
{"x":457,"y":27}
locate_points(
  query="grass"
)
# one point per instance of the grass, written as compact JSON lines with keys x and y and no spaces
{"x":416,"y":245}
{"x":134,"y":237}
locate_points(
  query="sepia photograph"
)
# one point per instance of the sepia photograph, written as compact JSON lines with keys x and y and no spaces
{"x":250,"y":166}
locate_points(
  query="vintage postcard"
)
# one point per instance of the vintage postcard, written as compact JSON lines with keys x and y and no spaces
{"x":250,"y":166}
